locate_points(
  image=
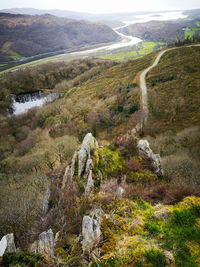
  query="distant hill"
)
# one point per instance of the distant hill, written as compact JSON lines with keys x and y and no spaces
{"x":25,"y":36}
{"x":160,"y":31}
{"x":193,"y":13}
{"x":80,"y":15}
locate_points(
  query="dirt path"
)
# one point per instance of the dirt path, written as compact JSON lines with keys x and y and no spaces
{"x":143,"y":85}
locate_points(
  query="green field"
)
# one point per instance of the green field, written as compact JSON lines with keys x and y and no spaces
{"x":7,"y":48}
{"x":146,"y":48}
{"x":190,"y":32}
{"x":198,"y":23}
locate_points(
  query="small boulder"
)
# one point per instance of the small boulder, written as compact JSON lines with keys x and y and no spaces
{"x":7,"y":244}
{"x":45,"y":244}
{"x":91,"y":230}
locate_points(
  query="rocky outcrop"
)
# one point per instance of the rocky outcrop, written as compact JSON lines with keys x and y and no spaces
{"x":82,"y":164}
{"x":45,"y":244}
{"x":45,"y":203}
{"x":7,"y":244}
{"x":145,"y":151}
{"x":89,"y":143}
{"x":91,"y":230}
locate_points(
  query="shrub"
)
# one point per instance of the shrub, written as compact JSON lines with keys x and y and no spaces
{"x":110,"y":162}
{"x":184,"y":218}
{"x":127,"y":145}
{"x":133,"y":165}
{"x":21,"y":259}
{"x":25,"y":146}
{"x":143,"y":177}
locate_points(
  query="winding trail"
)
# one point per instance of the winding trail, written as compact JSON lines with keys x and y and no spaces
{"x":143,"y":85}
{"x":143,"y":88}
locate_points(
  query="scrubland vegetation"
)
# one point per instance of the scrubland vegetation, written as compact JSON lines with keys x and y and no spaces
{"x":156,"y":220}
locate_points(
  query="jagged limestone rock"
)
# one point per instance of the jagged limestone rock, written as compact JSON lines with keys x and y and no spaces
{"x":73,"y":165}
{"x":89,"y":165}
{"x":145,"y":150}
{"x":7,"y":244}
{"x":45,"y":203}
{"x":84,"y":161}
{"x":45,"y":244}
{"x":91,"y":230}
{"x":90,"y":184}
{"x":89,"y":143}
{"x":97,"y":214}
{"x":65,"y":177}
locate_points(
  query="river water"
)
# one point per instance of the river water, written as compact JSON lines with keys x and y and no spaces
{"x":126,"y":40}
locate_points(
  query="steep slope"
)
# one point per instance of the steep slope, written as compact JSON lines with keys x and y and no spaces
{"x":32,"y":35}
{"x":173,"y":129}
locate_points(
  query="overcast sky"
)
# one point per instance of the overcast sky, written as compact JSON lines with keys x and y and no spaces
{"x":103,"y":6}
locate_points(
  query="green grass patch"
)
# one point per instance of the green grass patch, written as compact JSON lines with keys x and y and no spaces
{"x":190,"y":32}
{"x":122,"y":56}
{"x":156,"y":258}
{"x":146,"y":48}
{"x":198,"y":23}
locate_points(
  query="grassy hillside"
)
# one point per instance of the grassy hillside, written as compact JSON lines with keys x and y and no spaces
{"x":174,"y":89}
{"x":174,"y":96}
{"x":33,"y":35}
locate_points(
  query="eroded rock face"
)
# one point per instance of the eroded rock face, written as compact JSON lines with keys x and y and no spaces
{"x":45,"y":244}
{"x":82,"y":162}
{"x":90,"y":184}
{"x":91,"y":229}
{"x":145,"y":150}
{"x":89,"y":143}
{"x":45,"y":203}
{"x":73,"y":165}
{"x":7,"y":244}
{"x":65,"y":177}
